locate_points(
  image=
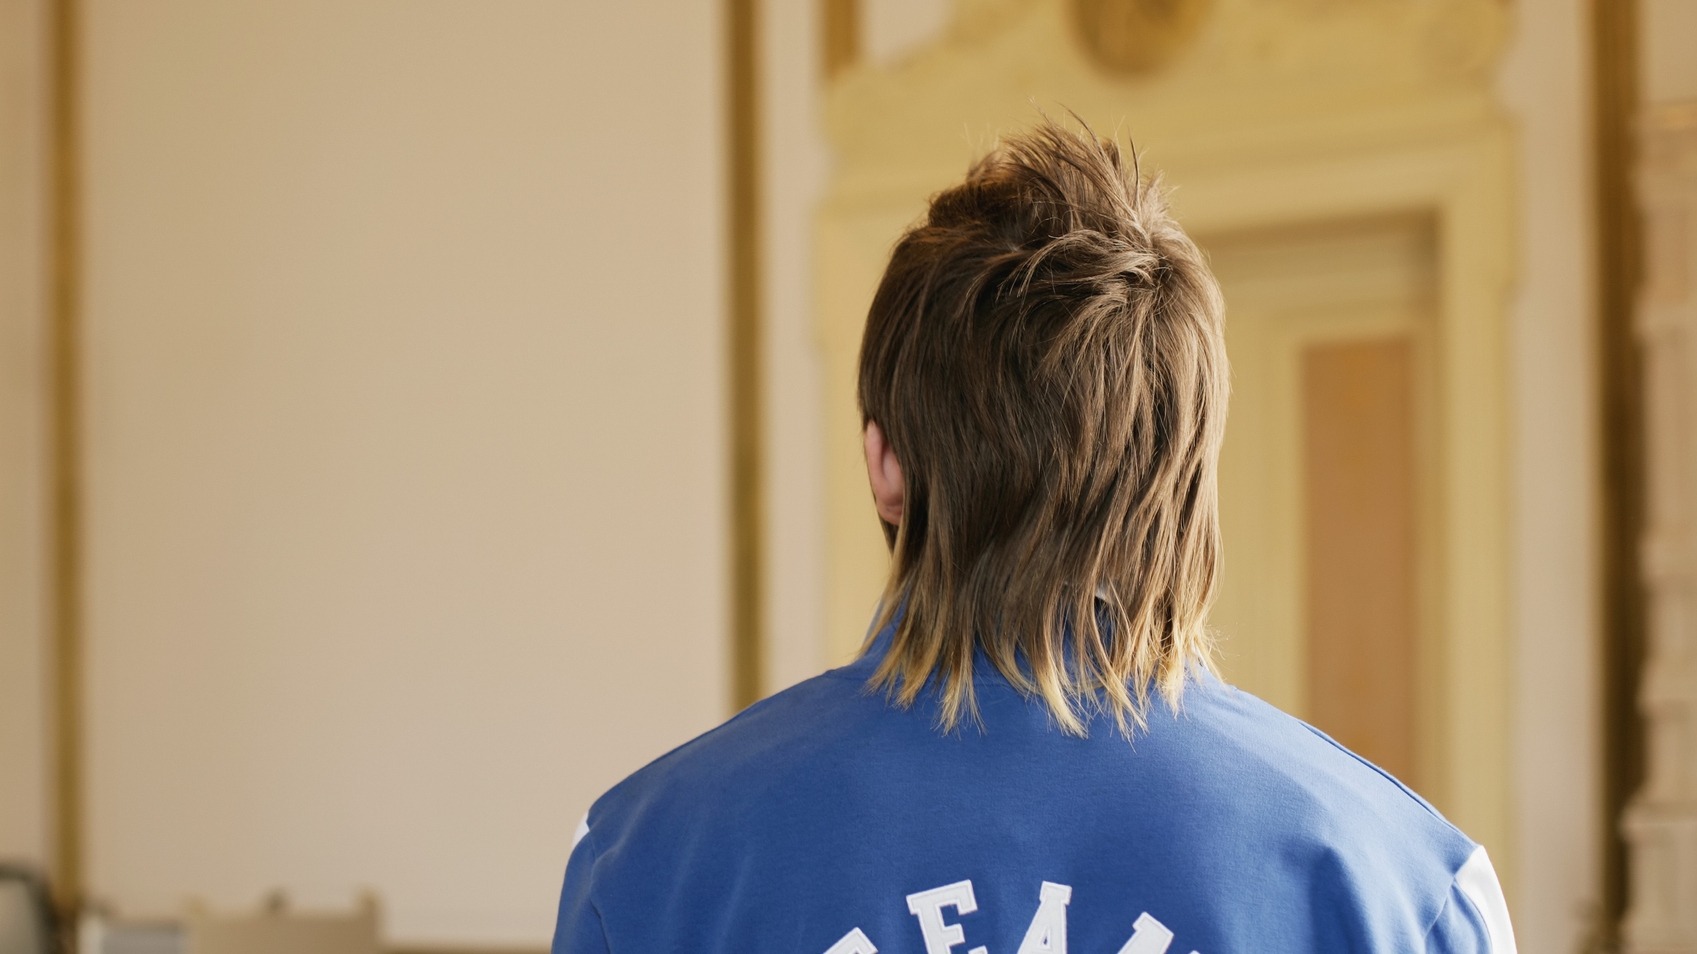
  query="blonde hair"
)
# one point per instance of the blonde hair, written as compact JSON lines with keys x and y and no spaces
{"x":1045,"y":356}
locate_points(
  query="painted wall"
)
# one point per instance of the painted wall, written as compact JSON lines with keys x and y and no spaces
{"x":1668,"y":32}
{"x":23,"y":585}
{"x":404,"y":443}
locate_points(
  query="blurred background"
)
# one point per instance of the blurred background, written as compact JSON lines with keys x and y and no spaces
{"x":415,"y":416}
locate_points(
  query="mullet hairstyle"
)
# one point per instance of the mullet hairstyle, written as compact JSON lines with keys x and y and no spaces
{"x":1045,"y":356}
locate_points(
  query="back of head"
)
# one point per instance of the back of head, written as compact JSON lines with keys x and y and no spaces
{"x":1045,"y":356}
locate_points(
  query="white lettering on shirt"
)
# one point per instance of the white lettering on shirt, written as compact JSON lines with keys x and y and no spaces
{"x":1048,"y":931}
{"x":854,"y":942}
{"x":928,"y":907}
{"x":1046,"y":935}
{"x":1148,"y":936}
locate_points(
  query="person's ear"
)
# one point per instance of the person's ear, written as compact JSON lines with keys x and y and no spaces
{"x":885,"y":473}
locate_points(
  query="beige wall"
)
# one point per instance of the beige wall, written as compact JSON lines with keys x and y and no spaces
{"x":893,"y":29}
{"x":404,"y":442}
{"x":23,"y":589}
{"x":1668,"y":69}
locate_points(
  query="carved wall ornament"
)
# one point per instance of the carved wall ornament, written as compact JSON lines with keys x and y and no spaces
{"x":1661,"y":823}
{"x":1132,"y":37}
{"x":1206,"y":66}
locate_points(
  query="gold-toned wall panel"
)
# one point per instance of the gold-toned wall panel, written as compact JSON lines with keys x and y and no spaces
{"x":1359,"y":495}
{"x":25,"y":574}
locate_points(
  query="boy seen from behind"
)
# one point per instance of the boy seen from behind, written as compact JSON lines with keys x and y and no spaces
{"x":1033,"y":752}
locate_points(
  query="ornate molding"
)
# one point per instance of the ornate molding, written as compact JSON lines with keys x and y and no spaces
{"x":1257,"y":74}
{"x":1661,"y":824}
{"x":1133,"y":37}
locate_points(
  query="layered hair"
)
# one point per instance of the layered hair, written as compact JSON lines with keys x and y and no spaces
{"x":1045,"y":356}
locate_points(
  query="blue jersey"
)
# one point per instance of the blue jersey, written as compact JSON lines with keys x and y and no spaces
{"x":827,"y":820}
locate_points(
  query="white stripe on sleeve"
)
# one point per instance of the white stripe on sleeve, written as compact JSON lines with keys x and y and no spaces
{"x":1478,"y":880}
{"x":583,"y":829}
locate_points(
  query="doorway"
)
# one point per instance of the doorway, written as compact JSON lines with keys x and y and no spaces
{"x":1325,"y":607}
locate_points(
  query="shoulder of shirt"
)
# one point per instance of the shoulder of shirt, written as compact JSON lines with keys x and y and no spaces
{"x":1409,"y":793}
{"x":1346,"y":795}
{"x":1347,"y":760}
